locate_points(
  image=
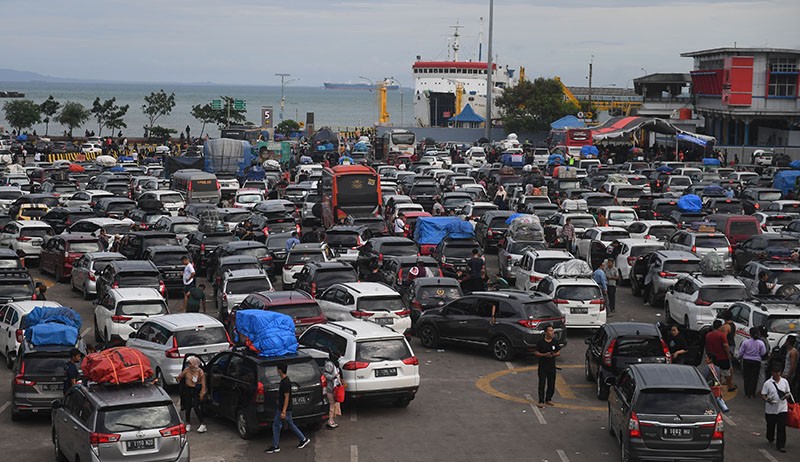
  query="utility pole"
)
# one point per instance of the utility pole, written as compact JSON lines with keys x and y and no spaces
{"x":489,"y":84}
{"x":284,"y":82}
{"x":591,"y":61}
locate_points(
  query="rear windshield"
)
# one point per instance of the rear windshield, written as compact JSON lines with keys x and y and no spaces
{"x":140,"y":416}
{"x":785,"y":277}
{"x":665,"y":208}
{"x":637,"y":347}
{"x":247,"y":286}
{"x":678,"y":181}
{"x":335,"y":276}
{"x":277,"y":242}
{"x":307,"y":310}
{"x":251,"y":198}
{"x":780,"y":220}
{"x":578,"y":293}
{"x":36,"y":232}
{"x":499,"y":223}
{"x":117,"y":229}
{"x":399,"y":249}
{"x":613,"y":235}
{"x":204,"y":185}
{"x":784,"y":243}
{"x":743,"y":227}
{"x":167,"y":258}
{"x":728,"y":207}
{"x":300,"y":373}
{"x":34,"y":213}
{"x":479,"y":211}
{"x":184,"y":228}
{"x":629,"y":192}
{"x":341,"y":238}
{"x":304,"y":257}
{"x":599,"y":201}
{"x":10,"y":195}
{"x":643,"y":249}
{"x":235,"y":217}
{"x":456,"y":201}
{"x":382,"y":350}
{"x":212,"y":240}
{"x":783,"y":324}
{"x":424,"y":189}
{"x":445,"y":293}
{"x":541,"y":310}
{"x":459,"y":250}
{"x":258,"y":252}
{"x":570,"y":184}
{"x":75,"y":216}
{"x":675,"y":402}
{"x":171,"y":198}
{"x":544,"y":265}
{"x":387,"y":303}
{"x":52,"y":364}
{"x":637,"y":181}
{"x":12,"y":288}
{"x":769,"y":196}
{"x":622,"y":216}
{"x":138,"y":279}
{"x":711,"y":241}
{"x":723,"y":294}
{"x":120,"y":206}
{"x":682,"y":266}
{"x":662,"y":231}
{"x":207,"y":336}
{"x":583,"y":222}
{"x":85,"y":246}
{"x":148,"y":308}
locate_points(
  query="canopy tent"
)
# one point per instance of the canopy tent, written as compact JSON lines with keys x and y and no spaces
{"x":568,"y":121}
{"x":622,"y":127}
{"x":467,"y":117}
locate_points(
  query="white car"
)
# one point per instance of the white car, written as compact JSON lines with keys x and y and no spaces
{"x":228,"y":187}
{"x":248,"y":198}
{"x":652,"y":229}
{"x":472,"y":212}
{"x":122,"y":311}
{"x":91,"y":148}
{"x":677,"y":184}
{"x":580,"y":300}
{"x":774,"y":222}
{"x":25,"y":237}
{"x":173,"y":200}
{"x":630,"y":250}
{"x":534,"y":265}
{"x":785,"y":206}
{"x":400,"y":209}
{"x":301,"y":254}
{"x":762,"y":157}
{"x":87,"y":197}
{"x":696,"y":300}
{"x":375,"y":361}
{"x":619,"y":216}
{"x":540,"y":156}
{"x":605,"y":235}
{"x":475,"y":156}
{"x":368,"y":301}
{"x":8,"y":194}
{"x":11,"y":316}
{"x":166,"y":340}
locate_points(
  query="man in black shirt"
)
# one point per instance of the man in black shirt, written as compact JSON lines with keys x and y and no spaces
{"x":547,"y":350}
{"x":764,"y":286}
{"x":476,"y":265}
{"x":677,"y":345}
{"x":283,"y":411}
{"x":71,"y":374}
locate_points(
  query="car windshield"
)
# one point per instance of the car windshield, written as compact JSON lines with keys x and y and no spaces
{"x":456,"y":201}
{"x":622,"y":216}
{"x":459,"y":250}
{"x":544,"y":265}
{"x":84,"y":246}
{"x":139,"y":416}
{"x":10,"y":195}
{"x":328,"y":277}
{"x":382,"y":350}
{"x":399,"y":249}
{"x":728,"y":207}
{"x":445,"y":293}
{"x":249,"y":198}
{"x":716,"y":242}
{"x":638,"y":347}
{"x":247,"y":286}
{"x":33,"y":213}
{"x":785,"y":277}
{"x":769,"y":196}
{"x":424,"y":189}
{"x":201,"y":336}
{"x":679,"y":266}
{"x":342,"y":238}
{"x":643,"y":249}
{"x":546,"y":310}
{"x":784,"y":324}
{"x":578,"y":293}
{"x":170,"y":198}
{"x":614,"y":235}
{"x":723,"y":294}
{"x":662,"y":232}
{"x":184,"y":228}
{"x":120,"y":206}
{"x":300,"y":310}
{"x":744,"y":227}
{"x":665,"y":208}
{"x":383,"y":303}
{"x":142,"y":308}
{"x":680,"y":402}
{"x":52,"y":364}
{"x":14,"y":288}
{"x":167,"y":258}
{"x":36,"y":232}
{"x":629,"y":192}
{"x":304,"y":257}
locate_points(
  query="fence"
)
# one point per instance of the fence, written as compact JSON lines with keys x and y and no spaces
{"x":74,"y":156}
{"x":744,"y":152}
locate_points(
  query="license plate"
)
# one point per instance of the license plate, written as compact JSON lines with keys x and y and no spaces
{"x":300,"y":400}
{"x":174,"y":276}
{"x":140,"y":445}
{"x":384,"y":321}
{"x":677,"y":432}
{"x":36,"y":244}
{"x":579,"y":311}
{"x":391,"y":372}
{"x":52,"y":386}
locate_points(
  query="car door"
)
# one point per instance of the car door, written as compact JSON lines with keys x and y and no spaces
{"x":455,"y":317}
{"x":230,"y":386}
{"x":741,"y":320}
{"x":749,"y":278}
{"x":65,"y":421}
{"x":79,"y":269}
{"x":103,"y":313}
{"x":521,"y":277}
{"x":330,"y":304}
{"x":620,"y":402}
{"x":47,"y":257}
{"x":5,"y":333}
{"x":215,"y":381}
{"x":595,"y":349}
{"x":480,"y":326}
{"x":584,"y":242}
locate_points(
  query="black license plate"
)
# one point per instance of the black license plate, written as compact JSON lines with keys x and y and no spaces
{"x":299,"y":400}
{"x":579,"y":311}
{"x":391,"y":372}
{"x":140,"y":445}
{"x":52,"y":386}
{"x":384,"y":321}
{"x":174,"y":275}
{"x":677,"y":432}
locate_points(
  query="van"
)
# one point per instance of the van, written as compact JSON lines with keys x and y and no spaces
{"x":737,"y":228}
{"x":196,"y":186}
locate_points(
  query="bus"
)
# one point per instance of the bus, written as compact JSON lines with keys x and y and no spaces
{"x":196,"y":186}
{"x":349,"y":190}
{"x":400,"y":141}
{"x":570,"y":140}
{"x":251,"y":134}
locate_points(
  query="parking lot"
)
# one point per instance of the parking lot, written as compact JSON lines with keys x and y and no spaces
{"x":469,"y":407}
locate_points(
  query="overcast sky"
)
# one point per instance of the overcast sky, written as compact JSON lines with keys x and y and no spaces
{"x":247,"y":41}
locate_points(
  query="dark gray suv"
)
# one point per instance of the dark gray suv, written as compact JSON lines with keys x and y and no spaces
{"x":665,"y":412}
{"x":118,"y":423}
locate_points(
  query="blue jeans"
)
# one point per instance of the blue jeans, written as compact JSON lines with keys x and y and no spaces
{"x":277,"y":425}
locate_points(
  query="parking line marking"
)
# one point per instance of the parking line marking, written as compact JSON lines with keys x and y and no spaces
{"x":354,"y":416}
{"x":353,"y":453}
{"x":511,"y":367}
{"x":728,"y":420}
{"x":4,"y":406}
{"x":536,"y":410}
{"x":85,"y":331}
{"x":562,"y":455}
{"x":563,"y":389}
{"x":767,"y":455}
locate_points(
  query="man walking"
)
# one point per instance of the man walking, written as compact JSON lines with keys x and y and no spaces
{"x":775,"y":392}
{"x":612,"y":276}
{"x":71,"y":375}
{"x":188,"y":278}
{"x":547,"y":350}
{"x":283,"y":412}
{"x":568,"y":235}
{"x":750,"y":352}
{"x":717,"y":345}
{"x":599,"y":277}
{"x":292,"y":241}
{"x":195,"y":298}
{"x":477,"y":268}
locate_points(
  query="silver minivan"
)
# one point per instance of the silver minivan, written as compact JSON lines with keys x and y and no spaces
{"x":196,"y":186}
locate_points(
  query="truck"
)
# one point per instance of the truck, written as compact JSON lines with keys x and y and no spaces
{"x":228,"y":158}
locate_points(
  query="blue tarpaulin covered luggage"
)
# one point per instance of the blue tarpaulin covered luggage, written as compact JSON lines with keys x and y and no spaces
{"x":714,"y":190}
{"x":785,"y":180}
{"x":47,"y":314}
{"x":52,"y":326}
{"x":664,"y":169}
{"x":690,"y":203}
{"x":795,"y":164}
{"x":432,"y":230}
{"x":589,"y":151}
{"x":555,"y":159}
{"x":256,"y":173}
{"x":710,"y":161}
{"x":266,"y":332}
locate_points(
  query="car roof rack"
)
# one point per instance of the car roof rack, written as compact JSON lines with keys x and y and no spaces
{"x":344,"y":328}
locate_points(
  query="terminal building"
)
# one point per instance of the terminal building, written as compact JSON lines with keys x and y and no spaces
{"x":748,"y":96}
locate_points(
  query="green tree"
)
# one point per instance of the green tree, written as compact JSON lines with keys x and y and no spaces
{"x":73,"y":115}
{"x":287,"y":127}
{"x":108,"y":114}
{"x":157,"y":104}
{"x":49,"y":108}
{"x":204,"y":114}
{"x":161,"y":134}
{"x":533,"y":105}
{"x":228,"y":115}
{"x":22,"y":113}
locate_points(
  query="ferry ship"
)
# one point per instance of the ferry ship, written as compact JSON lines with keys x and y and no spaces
{"x":443,"y":88}
{"x":354,"y":86}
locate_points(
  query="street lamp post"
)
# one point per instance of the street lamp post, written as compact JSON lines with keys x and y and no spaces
{"x":371,"y":86}
{"x":284,"y":82}
{"x":489,"y":84}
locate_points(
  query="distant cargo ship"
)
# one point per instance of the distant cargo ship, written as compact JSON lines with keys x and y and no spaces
{"x":355,"y":86}
{"x":11,"y":94}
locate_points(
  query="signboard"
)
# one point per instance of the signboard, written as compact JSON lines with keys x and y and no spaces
{"x":216,"y":104}
{"x":239,"y":105}
{"x":309,"y":123}
{"x":266,"y":116}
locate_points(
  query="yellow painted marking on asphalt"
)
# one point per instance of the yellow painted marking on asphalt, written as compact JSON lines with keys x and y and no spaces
{"x":563,"y":389}
{"x":484,"y":384}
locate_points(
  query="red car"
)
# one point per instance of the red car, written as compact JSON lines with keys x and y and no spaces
{"x":61,"y":251}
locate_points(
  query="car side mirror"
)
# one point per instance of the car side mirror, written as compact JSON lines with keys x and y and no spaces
{"x":133,"y":335}
{"x":294,"y":276}
{"x":671,"y":290}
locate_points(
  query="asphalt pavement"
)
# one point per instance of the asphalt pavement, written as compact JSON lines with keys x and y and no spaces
{"x":470,"y":407}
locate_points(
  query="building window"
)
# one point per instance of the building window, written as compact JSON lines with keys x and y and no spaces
{"x":783,"y":85}
{"x":783,"y":65}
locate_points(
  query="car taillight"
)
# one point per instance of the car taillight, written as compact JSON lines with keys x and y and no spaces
{"x":265,"y":230}
{"x":177,"y":430}
{"x":701,"y":302}
{"x":323,"y":381}
{"x":20,"y":378}
{"x":120,"y":319}
{"x":598,"y":301}
{"x":261,"y":394}
{"x":730,"y":249}
{"x":92,"y":276}
{"x":162,"y":288}
{"x":173,"y":352}
{"x":202,"y":248}
{"x":23,"y":239}
{"x":416,"y":305}
{"x":314,"y":289}
{"x":115,"y":285}
{"x":609,"y":353}
{"x":631,"y":261}
{"x":534,"y":278}
{"x":694,"y":249}
{"x":96,"y":439}
{"x":756,"y":206}
{"x":355,"y":365}
{"x":764,"y":226}
{"x":719,"y":428}
{"x":20,"y":335}
{"x":403,"y":313}
{"x":360,"y":314}
{"x":412,"y":361}
{"x":667,"y":354}
{"x":560,"y":301}
{"x":665,"y":274}
{"x":529,"y":323}
{"x":633,"y":426}
{"x":380,"y":258}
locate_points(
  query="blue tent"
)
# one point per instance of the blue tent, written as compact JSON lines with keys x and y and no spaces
{"x":568,"y":121}
{"x":468,"y":116}
{"x":432,"y":230}
{"x":785,"y":180}
{"x":795,"y":164}
{"x":690,"y":203}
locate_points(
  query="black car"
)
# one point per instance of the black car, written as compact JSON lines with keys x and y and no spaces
{"x":763,"y":245}
{"x":453,"y":254}
{"x":252,"y":248}
{"x":316,"y":276}
{"x":507,"y":323}
{"x":113,"y":207}
{"x":758,"y":199}
{"x":425,"y":193}
{"x":615,"y":346}
{"x":243,"y":388}
{"x":342,"y":238}
{"x":135,"y":243}
{"x":168,"y":260}
{"x":146,"y":219}
{"x":660,"y":208}
{"x":376,"y":248}
{"x":15,"y":284}
{"x":61,"y":218}
{"x":276,"y":243}
{"x":424,"y":293}
{"x":120,"y":274}
{"x":257,"y":227}
{"x":395,"y":271}
{"x":376,"y":225}
{"x":724,"y":205}
{"x":685,"y":219}
{"x":659,"y":412}
{"x":454,"y":202}
{"x":490,"y":229}
{"x":200,"y":245}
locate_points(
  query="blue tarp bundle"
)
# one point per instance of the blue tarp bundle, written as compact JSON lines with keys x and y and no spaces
{"x":256,"y":173}
{"x":48,"y":314}
{"x":785,"y":180}
{"x":267,"y":332}
{"x":515,"y":216}
{"x":664,"y":169}
{"x":714,"y":190}
{"x":117,"y":169}
{"x":225,"y":155}
{"x":512,"y":159}
{"x":568,"y":121}
{"x":692,"y":139}
{"x":52,"y":326}
{"x":325,"y":147}
{"x":432,"y":230}
{"x":361,"y":147}
{"x":794,"y":165}
{"x":690,"y":203}
{"x":711,"y":161}
{"x":125,"y":159}
{"x":555,"y":159}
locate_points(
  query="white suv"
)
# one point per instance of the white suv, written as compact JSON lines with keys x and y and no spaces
{"x":301,"y":254}
{"x":25,"y":237}
{"x":173,"y":200}
{"x":166,"y":340}
{"x":534,"y":265}
{"x":369,"y":301}
{"x":11,"y":317}
{"x":695,"y":300}
{"x":580,"y":300}
{"x":376,"y":362}
{"x":122,"y":311}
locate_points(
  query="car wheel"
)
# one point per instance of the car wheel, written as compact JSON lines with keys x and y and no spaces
{"x":242,"y":425}
{"x":16,"y":416}
{"x":602,"y":388}
{"x":402,"y":402}
{"x":668,"y":314}
{"x":501,"y":349}
{"x":9,"y":359}
{"x":587,"y":370}
{"x":60,"y":457}
{"x":428,"y":336}
{"x":97,"y":338}
{"x":608,"y":425}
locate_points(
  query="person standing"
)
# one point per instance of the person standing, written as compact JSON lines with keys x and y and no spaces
{"x":750,"y":352}
{"x":568,"y":235}
{"x":399,"y":226}
{"x":195,"y":299}
{"x":776,"y":394}
{"x":104,"y":240}
{"x":612,"y":276}
{"x":192,"y":382}
{"x":71,"y":375}
{"x":547,"y":350}
{"x":333,"y":378}
{"x":599,"y":277}
{"x":677,"y":345}
{"x":477,"y":267}
{"x":789,"y":371}
{"x":717,"y":344}
{"x":283,"y":412}
{"x":601,"y":219}
{"x":292,"y":241}
{"x":188,"y":279}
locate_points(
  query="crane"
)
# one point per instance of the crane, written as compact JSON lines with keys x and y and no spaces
{"x":567,"y":93}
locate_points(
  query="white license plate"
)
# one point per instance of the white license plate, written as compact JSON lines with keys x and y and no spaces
{"x":390,"y":372}
{"x":140,"y":445}
{"x":579,"y":311}
{"x":384,"y":321}
{"x":300,"y":400}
